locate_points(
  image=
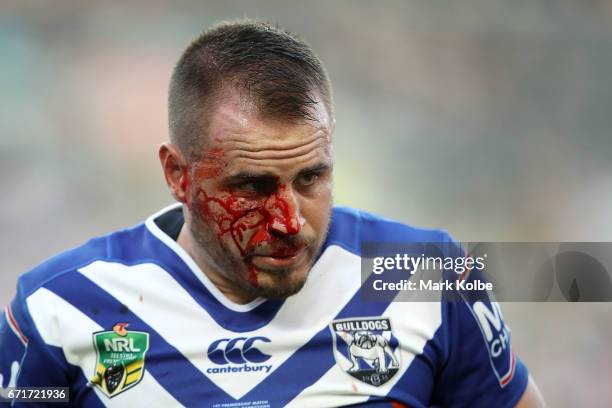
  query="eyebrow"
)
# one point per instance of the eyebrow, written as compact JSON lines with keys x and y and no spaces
{"x":250,"y":176}
{"x":317,"y":168}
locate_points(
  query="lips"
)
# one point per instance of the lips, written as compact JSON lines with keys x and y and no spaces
{"x":280,"y":258}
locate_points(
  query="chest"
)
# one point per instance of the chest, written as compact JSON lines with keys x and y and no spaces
{"x":347,"y":359}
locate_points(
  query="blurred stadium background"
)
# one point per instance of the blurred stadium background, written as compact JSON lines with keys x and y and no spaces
{"x":488,"y":118}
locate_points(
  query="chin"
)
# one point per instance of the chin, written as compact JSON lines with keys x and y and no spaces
{"x":281,"y":283}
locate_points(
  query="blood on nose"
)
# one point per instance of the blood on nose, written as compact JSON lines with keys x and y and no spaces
{"x":284,"y":213}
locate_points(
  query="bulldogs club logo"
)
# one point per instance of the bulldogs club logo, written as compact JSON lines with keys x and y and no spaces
{"x":366,"y":349}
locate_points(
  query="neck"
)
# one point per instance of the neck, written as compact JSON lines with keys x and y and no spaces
{"x":225,"y":286}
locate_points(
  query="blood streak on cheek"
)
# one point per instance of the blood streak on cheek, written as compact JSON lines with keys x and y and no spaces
{"x":233,"y":216}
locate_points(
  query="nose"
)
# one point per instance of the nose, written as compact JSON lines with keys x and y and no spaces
{"x":284,"y":210}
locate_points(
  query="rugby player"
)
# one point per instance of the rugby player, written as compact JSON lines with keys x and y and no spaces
{"x":246,"y":292}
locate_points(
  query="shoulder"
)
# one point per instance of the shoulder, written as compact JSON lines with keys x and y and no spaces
{"x":118,"y":246}
{"x":350,"y":228}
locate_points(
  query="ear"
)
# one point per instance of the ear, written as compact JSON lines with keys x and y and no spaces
{"x":176,"y":172}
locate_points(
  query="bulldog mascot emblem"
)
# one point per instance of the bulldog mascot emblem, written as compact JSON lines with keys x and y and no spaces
{"x":366,"y":349}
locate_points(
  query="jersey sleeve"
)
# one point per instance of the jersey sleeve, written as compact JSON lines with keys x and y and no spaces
{"x":481,"y":369}
{"x":25,"y":359}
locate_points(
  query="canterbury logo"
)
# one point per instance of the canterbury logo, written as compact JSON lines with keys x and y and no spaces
{"x":240,"y":350}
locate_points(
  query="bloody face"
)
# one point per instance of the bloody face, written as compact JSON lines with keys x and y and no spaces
{"x":259,"y":199}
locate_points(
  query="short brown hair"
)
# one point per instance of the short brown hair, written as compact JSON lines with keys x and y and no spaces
{"x":278,"y":72}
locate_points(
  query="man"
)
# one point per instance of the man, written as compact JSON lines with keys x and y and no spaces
{"x":247,"y":292}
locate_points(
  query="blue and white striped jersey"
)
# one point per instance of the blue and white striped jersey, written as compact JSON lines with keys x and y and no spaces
{"x":128,"y":319}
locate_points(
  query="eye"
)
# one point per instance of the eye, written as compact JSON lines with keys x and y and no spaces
{"x":307,"y":179}
{"x":250,"y":186}
{"x":263,"y":187}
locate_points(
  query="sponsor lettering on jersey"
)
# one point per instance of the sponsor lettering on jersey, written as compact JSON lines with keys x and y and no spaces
{"x":120,"y":359}
{"x":366,"y":349}
{"x":239,"y":354}
{"x":497,"y":338}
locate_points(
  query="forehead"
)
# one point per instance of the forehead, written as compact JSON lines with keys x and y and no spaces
{"x":244,"y":138}
{"x":236,"y":119}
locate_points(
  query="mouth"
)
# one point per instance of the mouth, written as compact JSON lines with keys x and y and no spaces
{"x":280,"y":259}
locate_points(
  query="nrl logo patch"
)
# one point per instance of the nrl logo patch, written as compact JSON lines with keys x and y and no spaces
{"x":120,"y":358}
{"x":366,"y":349}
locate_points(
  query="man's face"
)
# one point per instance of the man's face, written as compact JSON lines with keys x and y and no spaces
{"x":259,"y":198}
